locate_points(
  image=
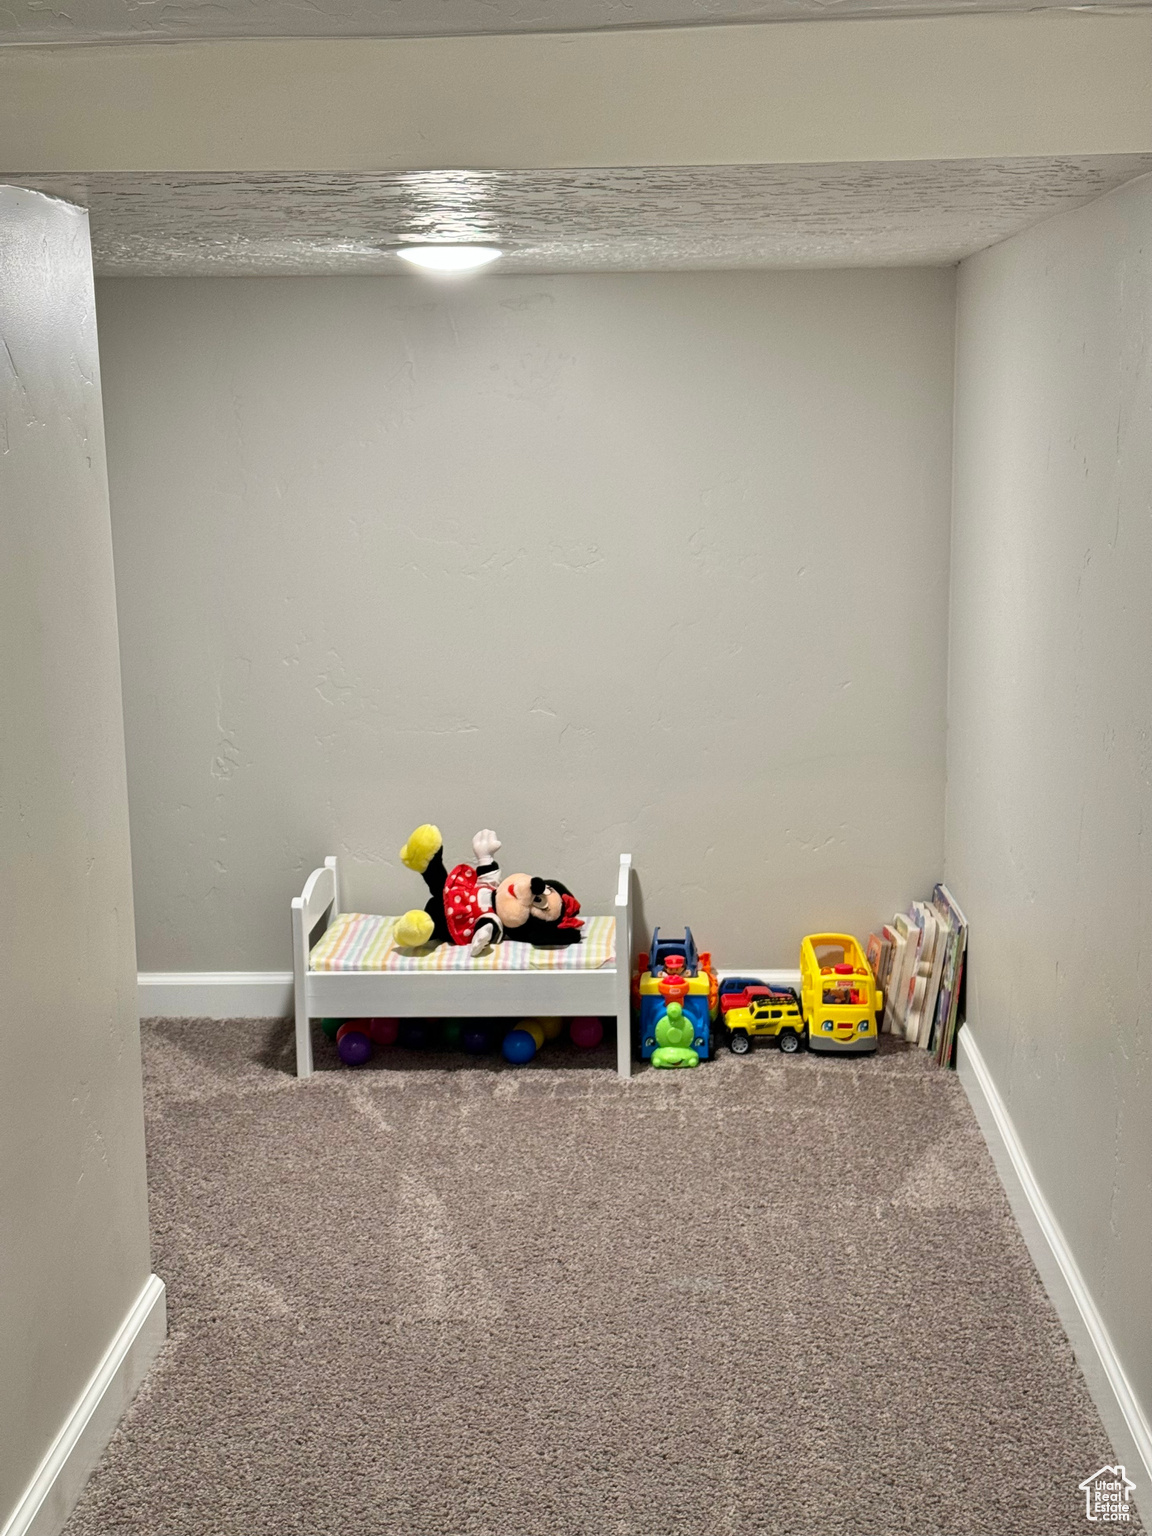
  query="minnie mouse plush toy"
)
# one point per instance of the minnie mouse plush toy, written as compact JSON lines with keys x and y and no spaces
{"x":471,"y":904}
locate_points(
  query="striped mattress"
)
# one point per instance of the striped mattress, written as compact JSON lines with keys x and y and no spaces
{"x":357,"y":941}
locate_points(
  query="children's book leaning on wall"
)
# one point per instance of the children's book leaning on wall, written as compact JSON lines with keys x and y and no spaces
{"x":918,"y":961}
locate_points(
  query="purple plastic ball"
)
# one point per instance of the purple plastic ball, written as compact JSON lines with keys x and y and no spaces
{"x":354,"y":1047}
{"x":476,"y":1041}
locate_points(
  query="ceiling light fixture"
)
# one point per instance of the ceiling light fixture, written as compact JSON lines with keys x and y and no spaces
{"x":449,"y":258}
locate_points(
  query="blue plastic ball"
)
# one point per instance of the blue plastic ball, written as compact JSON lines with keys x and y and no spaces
{"x":414,"y":1034}
{"x":476,"y":1041}
{"x":519,"y":1047}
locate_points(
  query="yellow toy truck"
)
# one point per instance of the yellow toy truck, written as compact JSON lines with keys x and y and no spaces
{"x":773,"y":1015}
{"x":838,"y":994}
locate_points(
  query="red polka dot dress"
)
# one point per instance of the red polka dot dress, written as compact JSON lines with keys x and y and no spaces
{"x":469,"y":895}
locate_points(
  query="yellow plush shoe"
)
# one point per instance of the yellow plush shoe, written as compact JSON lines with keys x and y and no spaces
{"x":421,"y":848}
{"x":414,"y":928}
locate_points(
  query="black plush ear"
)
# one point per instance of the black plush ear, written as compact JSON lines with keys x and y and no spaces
{"x":538,"y":930}
{"x":545,"y":935}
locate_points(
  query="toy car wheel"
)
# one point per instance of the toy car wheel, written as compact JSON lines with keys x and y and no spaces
{"x":739,"y":1043}
{"x":789,"y":1041}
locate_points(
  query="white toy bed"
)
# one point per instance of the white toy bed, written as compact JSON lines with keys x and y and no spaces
{"x":347,"y":966}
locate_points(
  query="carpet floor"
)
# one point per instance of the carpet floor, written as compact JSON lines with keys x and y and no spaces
{"x":439,"y":1296}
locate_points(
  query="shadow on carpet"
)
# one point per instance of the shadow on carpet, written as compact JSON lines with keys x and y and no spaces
{"x":775,"y":1295}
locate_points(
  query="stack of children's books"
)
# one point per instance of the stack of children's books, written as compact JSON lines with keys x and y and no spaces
{"x":918,"y":961}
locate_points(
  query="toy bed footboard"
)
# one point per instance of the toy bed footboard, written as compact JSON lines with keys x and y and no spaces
{"x":451,"y":994}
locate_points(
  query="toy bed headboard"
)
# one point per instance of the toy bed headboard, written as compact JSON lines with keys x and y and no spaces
{"x":319,"y":899}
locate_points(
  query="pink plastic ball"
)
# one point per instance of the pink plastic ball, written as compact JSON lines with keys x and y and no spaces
{"x":586,"y":1032}
{"x":384,"y":1031}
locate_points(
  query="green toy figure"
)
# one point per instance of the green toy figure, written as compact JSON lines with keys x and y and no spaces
{"x":674,"y":1040}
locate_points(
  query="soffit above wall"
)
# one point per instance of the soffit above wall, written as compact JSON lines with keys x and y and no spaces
{"x":1047,"y":83}
{"x":31,"y":21}
{"x":626,"y":219}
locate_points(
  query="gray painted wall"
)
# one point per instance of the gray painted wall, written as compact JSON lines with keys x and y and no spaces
{"x":73,"y":1207}
{"x":1050,"y":721}
{"x":647,"y":562}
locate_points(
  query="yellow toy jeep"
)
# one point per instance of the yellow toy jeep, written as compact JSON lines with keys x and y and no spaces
{"x":775,"y":1017}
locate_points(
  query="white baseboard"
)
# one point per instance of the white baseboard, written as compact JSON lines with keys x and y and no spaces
{"x":53,"y":1492}
{"x":215,"y":994}
{"x":1119,"y":1408}
{"x":770,"y":976}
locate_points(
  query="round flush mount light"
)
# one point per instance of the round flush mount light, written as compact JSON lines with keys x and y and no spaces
{"x":449,"y":258}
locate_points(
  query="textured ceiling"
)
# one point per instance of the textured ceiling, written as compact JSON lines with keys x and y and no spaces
{"x":643,"y":219}
{"x":36,"y":21}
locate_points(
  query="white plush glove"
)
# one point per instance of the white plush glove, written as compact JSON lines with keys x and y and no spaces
{"x":481,"y":939}
{"x":485,"y":845}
